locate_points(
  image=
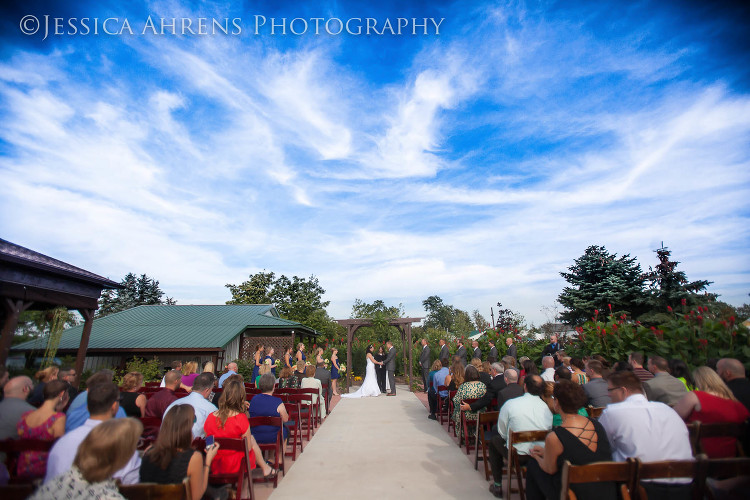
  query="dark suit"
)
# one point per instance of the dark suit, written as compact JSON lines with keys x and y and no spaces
{"x":550,"y":350}
{"x":461,"y":353}
{"x":509,"y":392}
{"x":493,"y":388}
{"x":740,"y":387}
{"x":380,"y":371}
{"x":424,"y":362}
{"x":493,"y":355}
{"x":513,"y":351}
{"x":477,"y":353}
{"x":325,"y":380}
{"x":445,"y":353}
{"x":390,"y":368}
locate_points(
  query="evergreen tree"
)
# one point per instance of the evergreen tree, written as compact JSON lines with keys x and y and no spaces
{"x":600,"y":280}
{"x":670,"y":287}
{"x":136,"y":291}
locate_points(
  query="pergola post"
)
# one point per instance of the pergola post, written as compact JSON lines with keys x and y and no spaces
{"x":13,"y":309}
{"x":411,"y":365}
{"x":349,"y":337}
{"x":88,"y":316}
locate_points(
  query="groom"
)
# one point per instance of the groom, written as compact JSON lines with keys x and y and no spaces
{"x":390,"y":367}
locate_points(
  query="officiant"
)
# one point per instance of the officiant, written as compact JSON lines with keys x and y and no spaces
{"x":380,"y":369}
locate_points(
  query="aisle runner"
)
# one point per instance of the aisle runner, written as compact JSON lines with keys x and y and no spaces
{"x":382,"y":448}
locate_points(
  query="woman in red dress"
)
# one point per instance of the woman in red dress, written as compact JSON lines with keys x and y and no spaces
{"x":712,"y":402}
{"x":231,"y":422}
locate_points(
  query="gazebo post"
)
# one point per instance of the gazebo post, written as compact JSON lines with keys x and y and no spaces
{"x":411,"y":365}
{"x":88,"y":316}
{"x":349,"y":337}
{"x":13,"y":309}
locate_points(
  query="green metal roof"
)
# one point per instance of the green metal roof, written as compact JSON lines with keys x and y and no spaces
{"x":172,"y":327}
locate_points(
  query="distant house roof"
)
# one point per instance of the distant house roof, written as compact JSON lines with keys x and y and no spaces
{"x":173,"y":327}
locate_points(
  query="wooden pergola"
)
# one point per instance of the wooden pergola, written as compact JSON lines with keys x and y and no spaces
{"x":32,"y":281}
{"x":403,"y":325}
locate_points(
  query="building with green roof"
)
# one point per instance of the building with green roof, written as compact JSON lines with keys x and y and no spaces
{"x":202,"y":333}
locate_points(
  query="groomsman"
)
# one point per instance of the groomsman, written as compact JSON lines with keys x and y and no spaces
{"x":424,"y":362}
{"x":461,"y":352}
{"x":444,"y":351}
{"x":477,"y":350}
{"x":512,"y":350}
{"x":492,"y":358}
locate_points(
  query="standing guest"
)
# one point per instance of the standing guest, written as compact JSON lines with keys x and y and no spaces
{"x":172,"y":457}
{"x":257,"y":360}
{"x":578,"y":439}
{"x":335,"y":367}
{"x":636,"y":361}
{"x":47,"y":423}
{"x":461,"y":352}
{"x":198,"y":400}
{"x":380,"y":368}
{"x":300,"y":373}
{"x":548,"y":369}
{"x":68,"y":375}
{"x":269,"y":360}
{"x":596,"y":388}
{"x":78,"y":412}
{"x":102,"y":404}
{"x":579,"y":371}
{"x":325,"y":381}
{"x":712,"y":402}
{"x":264,"y":368}
{"x":732,"y":373}
{"x":512,"y":349}
{"x":477,"y":351}
{"x":424,"y":363}
{"x":494,"y":386}
{"x":14,"y":405}
{"x":287,"y":379}
{"x":132,"y":401}
{"x":266,"y":404}
{"x":471,"y":388}
{"x":189,"y":372}
{"x":444,"y":351}
{"x":319,"y":356}
{"x":300,"y":356}
{"x":230,"y":421}
{"x":310,"y":382}
{"x":105,"y":450}
{"x":176,"y":365}
{"x":208,"y":368}
{"x":663,"y":387}
{"x":492,"y":357}
{"x":231,"y":370}
{"x":159,"y":402}
{"x":288,"y":357}
{"x":551,"y":348}
{"x":679,"y":370}
{"x":43,"y":376}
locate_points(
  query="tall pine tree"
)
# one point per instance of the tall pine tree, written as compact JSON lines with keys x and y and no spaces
{"x":670,"y":287}
{"x":136,"y":291}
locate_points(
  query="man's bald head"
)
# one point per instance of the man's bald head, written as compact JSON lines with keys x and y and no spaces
{"x":548,"y":362}
{"x":232,"y":366}
{"x":511,"y":376}
{"x":730,"y":369}
{"x":18,"y":387}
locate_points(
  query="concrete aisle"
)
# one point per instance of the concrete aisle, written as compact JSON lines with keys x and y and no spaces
{"x":382,"y":448}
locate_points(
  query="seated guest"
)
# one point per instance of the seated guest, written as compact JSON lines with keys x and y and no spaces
{"x":497,"y":383}
{"x":549,"y":398}
{"x":456,"y":376}
{"x":548,"y":364}
{"x":578,"y":439}
{"x":78,"y":411}
{"x":525,"y":413}
{"x":300,"y":373}
{"x":132,"y":401}
{"x":172,"y":458}
{"x":436,"y":366}
{"x":527,"y":368}
{"x":562,"y":373}
{"x":325,"y":381}
{"x":647,"y":430}
{"x":105,"y":450}
{"x":596,"y":388}
{"x":512,"y":388}
{"x":14,"y":405}
{"x":230,"y":421}
{"x":712,"y":402}
{"x":44,"y":377}
{"x":663,"y":387}
{"x":208,"y":368}
{"x":438,"y":380}
{"x":102,"y":403}
{"x":621,"y":366}
{"x":732,"y":373}
{"x":266,"y":404}
{"x":189,"y":372}
{"x":679,"y":370}
{"x":158,"y":403}
{"x":579,"y":371}
{"x":198,"y":399}
{"x":310,"y":382}
{"x":636,"y":360}
{"x":262,"y":370}
{"x":47,"y":423}
{"x":287,"y":379}
{"x":231,"y":370}
{"x":508,"y":362}
{"x":68,"y":375}
{"x":471,"y":388}
{"x":176,"y":365}
{"x":484,"y":378}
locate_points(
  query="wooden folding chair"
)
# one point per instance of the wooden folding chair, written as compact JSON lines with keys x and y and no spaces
{"x":245,"y":472}
{"x":277,"y":447}
{"x":305,"y":415}
{"x":155,"y":491}
{"x":616,"y":472}
{"x":669,"y":469}
{"x":724,"y":478}
{"x":485,"y":421}
{"x":594,"y":412}
{"x":451,"y":394}
{"x":312,"y":391}
{"x":13,"y":448}
{"x":442,"y":409}
{"x":728,"y":430}
{"x":293,"y":410}
{"x":465,"y":426}
{"x":514,"y":463}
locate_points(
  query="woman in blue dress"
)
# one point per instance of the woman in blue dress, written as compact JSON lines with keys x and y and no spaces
{"x":300,"y":356}
{"x":266,"y":404}
{"x":257,"y":360}
{"x":335,"y":371}
{"x":288,"y":358}
{"x":269,"y":356}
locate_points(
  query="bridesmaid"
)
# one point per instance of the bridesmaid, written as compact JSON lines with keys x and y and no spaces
{"x":269,"y":355}
{"x":288,"y":358}
{"x":335,"y":371}
{"x":300,"y":356}
{"x":319,"y":356}
{"x":258,"y":360}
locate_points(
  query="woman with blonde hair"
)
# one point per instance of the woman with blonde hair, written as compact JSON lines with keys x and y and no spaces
{"x":712,"y":402}
{"x":319,"y":356}
{"x":46,"y":423}
{"x":106,"y":449}
{"x":189,"y":372}
{"x":264,"y":368}
{"x":300,"y":372}
{"x":335,"y":375}
{"x":310,"y":382}
{"x":288,"y":357}
{"x":300,"y":356}
{"x":208,"y":367}
{"x":43,"y":376}
{"x":230,"y":421}
{"x":132,"y":401}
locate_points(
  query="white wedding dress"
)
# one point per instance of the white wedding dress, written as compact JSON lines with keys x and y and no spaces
{"x":370,"y":387}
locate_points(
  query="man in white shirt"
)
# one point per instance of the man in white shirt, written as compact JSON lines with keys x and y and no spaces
{"x":198,"y":399}
{"x":103,"y":403}
{"x":524,"y":413}
{"x":648,"y":430}
{"x":548,"y":364}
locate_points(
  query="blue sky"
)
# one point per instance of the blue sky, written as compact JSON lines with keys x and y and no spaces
{"x":474,"y":164}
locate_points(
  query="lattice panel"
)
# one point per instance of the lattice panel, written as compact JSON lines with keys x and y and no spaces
{"x":247,"y":350}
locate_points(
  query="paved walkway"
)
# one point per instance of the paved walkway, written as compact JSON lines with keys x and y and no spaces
{"x":382,"y":448}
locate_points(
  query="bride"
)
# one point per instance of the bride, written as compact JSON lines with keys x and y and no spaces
{"x":370,"y":387}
